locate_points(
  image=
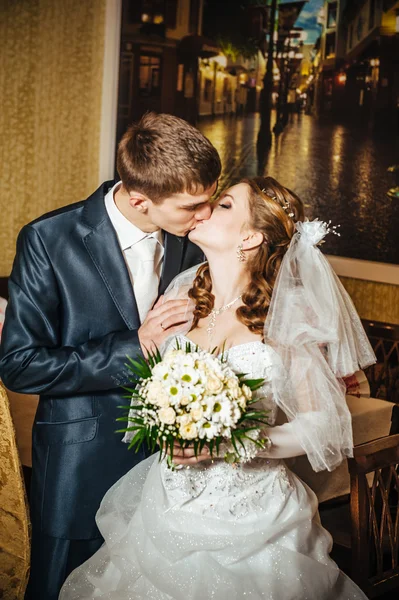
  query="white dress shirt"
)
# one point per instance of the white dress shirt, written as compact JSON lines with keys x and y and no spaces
{"x":129,"y":237}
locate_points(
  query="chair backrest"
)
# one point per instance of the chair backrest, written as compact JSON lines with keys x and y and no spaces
{"x":375,"y":515}
{"x":14,"y":519}
{"x":384,"y":375}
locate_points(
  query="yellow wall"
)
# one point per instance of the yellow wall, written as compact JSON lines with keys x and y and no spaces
{"x":374,"y":301}
{"x":50,"y":97}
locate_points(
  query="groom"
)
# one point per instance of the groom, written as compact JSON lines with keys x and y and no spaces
{"x":84,"y":281}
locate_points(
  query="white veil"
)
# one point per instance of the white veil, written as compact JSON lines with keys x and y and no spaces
{"x":315,"y":329}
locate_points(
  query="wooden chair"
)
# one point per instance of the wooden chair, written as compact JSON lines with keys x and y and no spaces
{"x":14,"y":519}
{"x":374,"y":511}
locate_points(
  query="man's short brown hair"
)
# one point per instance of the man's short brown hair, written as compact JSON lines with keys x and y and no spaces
{"x":161,"y":155}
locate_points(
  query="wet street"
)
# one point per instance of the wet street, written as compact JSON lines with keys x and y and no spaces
{"x":340,"y":173}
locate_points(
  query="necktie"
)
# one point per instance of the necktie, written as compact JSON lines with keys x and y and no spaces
{"x":145,"y":280}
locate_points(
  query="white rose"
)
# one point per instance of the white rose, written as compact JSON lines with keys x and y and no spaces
{"x":154,"y":389}
{"x":162,"y":400}
{"x":184,"y":420}
{"x":171,"y":356}
{"x":233,"y":387}
{"x":188,"y":431}
{"x":197,"y":413}
{"x":247,"y":392}
{"x":167,"y":415}
{"x":214,"y":385}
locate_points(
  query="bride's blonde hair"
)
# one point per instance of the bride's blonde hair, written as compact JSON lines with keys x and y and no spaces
{"x":270,"y":205}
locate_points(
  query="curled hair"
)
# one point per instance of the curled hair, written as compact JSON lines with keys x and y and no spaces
{"x":268,"y":208}
{"x":162,"y":155}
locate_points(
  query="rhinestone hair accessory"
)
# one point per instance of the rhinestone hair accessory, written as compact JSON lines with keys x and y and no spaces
{"x":313,"y":232}
{"x":285,"y":206}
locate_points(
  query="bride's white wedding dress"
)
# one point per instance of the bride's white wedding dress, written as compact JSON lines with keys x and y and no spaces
{"x":213,"y":531}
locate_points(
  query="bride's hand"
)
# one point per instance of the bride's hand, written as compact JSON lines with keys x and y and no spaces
{"x":186,"y":456}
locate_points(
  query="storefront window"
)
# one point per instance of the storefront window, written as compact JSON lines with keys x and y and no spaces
{"x":150,"y":76}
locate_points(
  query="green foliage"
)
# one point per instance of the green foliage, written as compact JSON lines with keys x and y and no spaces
{"x":227,"y":22}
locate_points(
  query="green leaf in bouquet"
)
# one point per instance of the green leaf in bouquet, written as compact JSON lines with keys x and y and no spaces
{"x":233,"y":441}
{"x":253,"y":384}
{"x":170,"y":445}
{"x":130,"y":390}
{"x":139,"y":367}
{"x":196,"y":445}
{"x":153,"y":435}
{"x":211,"y":446}
{"x":137,"y":440}
{"x":202,"y":444}
{"x":136,"y":420}
{"x":157,"y":355}
{"x":153,"y":358}
{"x":236,"y":436}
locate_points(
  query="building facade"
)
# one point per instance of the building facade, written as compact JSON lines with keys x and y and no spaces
{"x":230,"y":85}
{"x":372,"y":59}
{"x":356,"y":68}
{"x":161,"y":44}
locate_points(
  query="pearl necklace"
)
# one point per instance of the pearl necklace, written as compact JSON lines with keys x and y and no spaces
{"x":216,"y":312}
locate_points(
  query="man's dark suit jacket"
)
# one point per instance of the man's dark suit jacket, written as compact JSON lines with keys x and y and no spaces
{"x":71,"y":320}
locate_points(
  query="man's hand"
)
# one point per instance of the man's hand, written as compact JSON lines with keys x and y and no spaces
{"x":164,"y":320}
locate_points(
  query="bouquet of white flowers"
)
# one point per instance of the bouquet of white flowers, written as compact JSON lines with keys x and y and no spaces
{"x":193,"y":397}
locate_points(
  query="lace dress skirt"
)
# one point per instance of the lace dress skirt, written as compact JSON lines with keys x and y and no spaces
{"x":211,"y":532}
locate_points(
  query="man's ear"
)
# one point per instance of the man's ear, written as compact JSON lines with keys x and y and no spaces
{"x":253,"y":240}
{"x":138,"y":201}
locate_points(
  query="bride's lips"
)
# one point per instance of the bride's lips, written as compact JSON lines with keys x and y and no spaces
{"x":197,"y":225}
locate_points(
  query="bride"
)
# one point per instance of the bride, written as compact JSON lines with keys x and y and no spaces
{"x":210,"y":530}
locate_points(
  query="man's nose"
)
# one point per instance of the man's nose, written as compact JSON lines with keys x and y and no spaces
{"x":203,"y":213}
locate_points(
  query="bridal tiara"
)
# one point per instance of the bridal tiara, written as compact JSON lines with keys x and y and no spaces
{"x":285,"y":206}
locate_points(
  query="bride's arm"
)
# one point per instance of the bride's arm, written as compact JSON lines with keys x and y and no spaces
{"x":313,"y":400}
{"x":282,"y":442}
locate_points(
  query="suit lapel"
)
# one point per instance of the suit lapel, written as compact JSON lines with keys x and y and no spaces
{"x":104,"y":250}
{"x":174,"y":248}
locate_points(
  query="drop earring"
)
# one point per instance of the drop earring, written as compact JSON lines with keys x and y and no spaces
{"x":241,"y":254}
